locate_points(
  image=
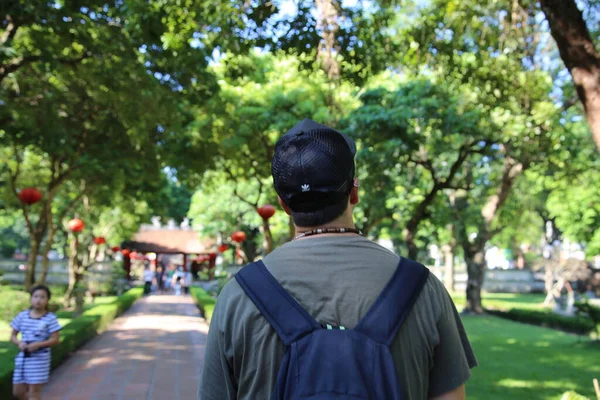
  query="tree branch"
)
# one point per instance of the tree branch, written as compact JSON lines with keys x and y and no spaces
{"x":235,"y":192}
{"x":568,"y":103}
{"x":20,"y":62}
{"x":428,"y":165}
{"x":10,"y":32}
{"x":13,"y":185}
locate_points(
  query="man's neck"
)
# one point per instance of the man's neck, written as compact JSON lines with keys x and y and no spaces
{"x":338,"y":223}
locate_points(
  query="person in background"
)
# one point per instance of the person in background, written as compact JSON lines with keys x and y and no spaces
{"x":148,"y":277}
{"x":169,"y":278}
{"x":177,"y":281}
{"x":39,"y":331}
{"x":187,"y":282}
{"x":160,"y":278}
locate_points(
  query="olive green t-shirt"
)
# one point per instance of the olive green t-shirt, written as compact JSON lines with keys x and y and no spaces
{"x":336,"y":279}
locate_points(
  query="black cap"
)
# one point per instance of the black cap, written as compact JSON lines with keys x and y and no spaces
{"x":313,"y":167}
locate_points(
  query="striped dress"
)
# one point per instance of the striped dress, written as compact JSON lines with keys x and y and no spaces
{"x":34,"y":368}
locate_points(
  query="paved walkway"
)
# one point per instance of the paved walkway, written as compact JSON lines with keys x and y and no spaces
{"x":153,"y":352}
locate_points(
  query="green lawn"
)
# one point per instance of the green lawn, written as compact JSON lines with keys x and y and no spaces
{"x":505,"y":301}
{"x":518,"y":361}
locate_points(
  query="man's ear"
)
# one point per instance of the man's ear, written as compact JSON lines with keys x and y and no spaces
{"x":354,"y":199}
{"x":285,"y":208}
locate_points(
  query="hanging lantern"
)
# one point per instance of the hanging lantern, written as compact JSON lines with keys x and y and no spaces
{"x":266,"y":211}
{"x":126,"y":252}
{"x":115,"y":249}
{"x":238,"y":236}
{"x":30,"y":195}
{"x":99,"y":240}
{"x":223,"y":248}
{"x":76,"y":225}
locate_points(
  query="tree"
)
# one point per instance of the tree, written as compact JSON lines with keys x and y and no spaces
{"x":496,"y":62}
{"x":258,"y":101}
{"x":579,"y":53}
{"x":424,"y":135}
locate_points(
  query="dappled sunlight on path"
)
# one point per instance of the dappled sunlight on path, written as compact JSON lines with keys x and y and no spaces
{"x":154,"y":352}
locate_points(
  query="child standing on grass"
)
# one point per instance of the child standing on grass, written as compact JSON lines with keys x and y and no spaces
{"x":39,"y":331}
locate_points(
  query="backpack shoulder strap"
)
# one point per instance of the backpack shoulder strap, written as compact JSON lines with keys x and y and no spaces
{"x":383,"y":320}
{"x":285,"y":315}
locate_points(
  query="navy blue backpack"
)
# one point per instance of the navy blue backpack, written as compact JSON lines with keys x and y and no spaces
{"x":325,"y":362}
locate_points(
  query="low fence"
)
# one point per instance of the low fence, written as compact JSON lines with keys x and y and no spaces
{"x":58,"y":273}
{"x":499,"y":280}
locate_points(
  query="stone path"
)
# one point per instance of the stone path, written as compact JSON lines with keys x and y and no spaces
{"x":153,"y":352}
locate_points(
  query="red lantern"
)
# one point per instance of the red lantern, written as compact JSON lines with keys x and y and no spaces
{"x":266,"y":211}
{"x":223,"y":248}
{"x":126,"y":252}
{"x":99,"y":240}
{"x":212,"y":256}
{"x":238,"y":236}
{"x":76,"y":225}
{"x":115,"y":249}
{"x":30,"y":195}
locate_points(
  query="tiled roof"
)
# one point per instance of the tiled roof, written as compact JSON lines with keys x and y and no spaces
{"x":168,"y":241}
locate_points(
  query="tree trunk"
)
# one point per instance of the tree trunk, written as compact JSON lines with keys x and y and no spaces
{"x":291,"y":227}
{"x":449,"y":251}
{"x":46,"y":261}
{"x":267,"y":237}
{"x":31,"y":264}
{"x":521,"y":264}
{"x":579,"y":54}
{"x":413,"y":250}
{"x":73,"y":267}
{"x":474,"y":252}
{"x":476,"y":271}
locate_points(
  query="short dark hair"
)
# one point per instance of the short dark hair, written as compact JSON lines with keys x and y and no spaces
{"x":40,"y":287}
{"x":321,"y":216}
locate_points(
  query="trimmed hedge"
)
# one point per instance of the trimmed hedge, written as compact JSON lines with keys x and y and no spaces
{"x":576,"y":324}
{"x":15,"y":300}
{"x":205,"y":302}
{"x":72,"y":336}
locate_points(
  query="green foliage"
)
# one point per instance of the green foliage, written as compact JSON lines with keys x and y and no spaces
{"x":13,"y":232}
{"x":423,"y":133}
{"x":584,"y":308}
{"x":205,"y":302}
{"x":579,"y":217}
{"x":72,"y":336}
{"x":260,"y":98}
{"x":13,"y":302}
{"x":578,"y":325}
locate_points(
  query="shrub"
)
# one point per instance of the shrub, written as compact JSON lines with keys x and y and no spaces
{"x":205,"y":302}
{"x":73,"y":335}
{"x":577,"y":324}
{"x":584,"y":308}
{"x":16,"y":300}
{"x":13,"y":302}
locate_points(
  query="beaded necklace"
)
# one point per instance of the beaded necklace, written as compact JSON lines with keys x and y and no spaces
{"x":319,"y":231}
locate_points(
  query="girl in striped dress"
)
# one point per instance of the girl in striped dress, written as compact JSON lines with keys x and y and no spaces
{"x":39,"y":331}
